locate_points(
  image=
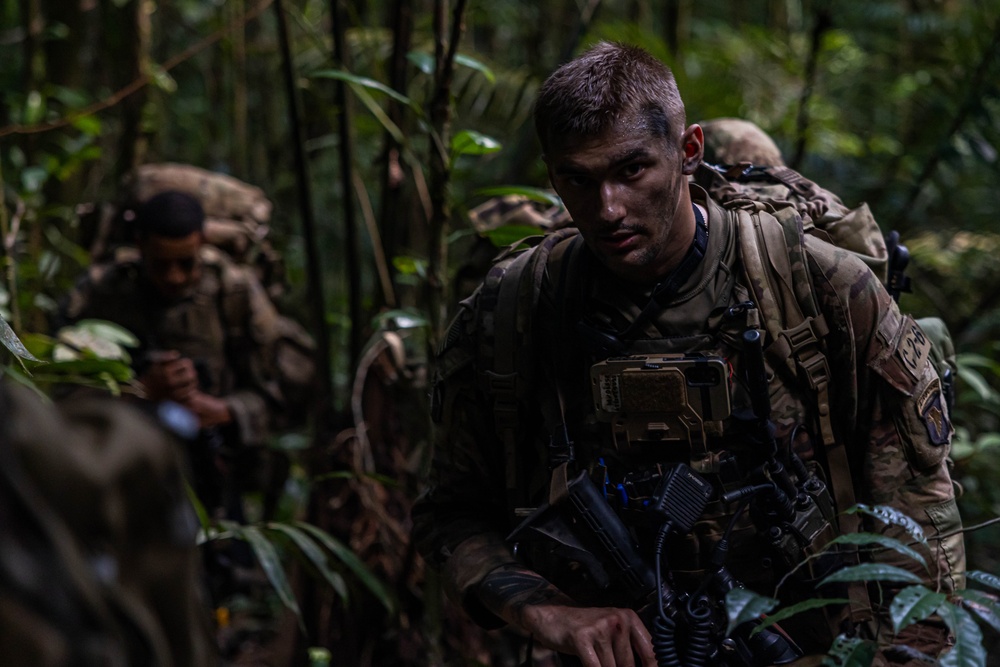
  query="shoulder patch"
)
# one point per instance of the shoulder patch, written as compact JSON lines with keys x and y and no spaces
{"x":906,"y":351}
{"x":930,"y":407}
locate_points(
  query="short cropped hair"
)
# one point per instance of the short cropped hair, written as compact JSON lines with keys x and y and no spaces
{"x":169,"y":214}
{"x":610,"y":81}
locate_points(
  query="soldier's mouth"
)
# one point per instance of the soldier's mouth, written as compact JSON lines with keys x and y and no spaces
{"x":619,"y":240}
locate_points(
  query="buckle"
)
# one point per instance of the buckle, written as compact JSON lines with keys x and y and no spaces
{"x":816,"y":370}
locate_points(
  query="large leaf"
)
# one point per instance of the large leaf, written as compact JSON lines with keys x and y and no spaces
{"x":507,"y":235}
{"x":380,"y":115}
{"x":743,"y":605}
{"x":424,"y":62}
{"x":13,"y":343}
{"x":871,"y":572}
{"x":860,"y":539}
{"x":470,"y":142}
{"x":891,"y":516}
{"x":850,"y":652}
{"x":534,"y":194}
{"x":353,"y":563}
{"x":982,"y":605}
{"x":86,"y":368}
{"x":975,"y":380}
{"x":314,"y":553}
{"x":968,"y":650}
{"x":370,"y":84}
{"x":472,"y":63}
{"x":985,"y":578}
{"x":805,"y":605}
{"x":912,"y":604}
{"x":270,"y":562}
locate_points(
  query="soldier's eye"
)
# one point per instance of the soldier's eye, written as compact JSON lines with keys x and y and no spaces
{"x":633,"y":170}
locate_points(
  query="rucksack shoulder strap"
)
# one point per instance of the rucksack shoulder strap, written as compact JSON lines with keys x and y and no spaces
{"x":777,"y":272}
{"x":776,"y":266}
{"x":505,"y":313}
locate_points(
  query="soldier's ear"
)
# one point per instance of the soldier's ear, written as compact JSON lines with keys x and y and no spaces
{"x":693,"y":144}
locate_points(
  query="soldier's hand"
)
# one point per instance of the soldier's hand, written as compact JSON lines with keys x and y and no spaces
{"x":210,"y":410}
{"x":170,"y":376}
{"x":599,"y":636}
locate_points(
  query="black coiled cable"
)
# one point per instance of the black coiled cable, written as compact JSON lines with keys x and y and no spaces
{"x":664,"y":642}
{"x":699,"y":638}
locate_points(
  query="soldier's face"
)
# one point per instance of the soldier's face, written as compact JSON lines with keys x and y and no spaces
{"x":173,"y":265}
{"x":627,"y":192}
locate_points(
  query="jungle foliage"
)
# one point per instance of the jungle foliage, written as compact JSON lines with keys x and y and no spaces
{"x":401,"y":116}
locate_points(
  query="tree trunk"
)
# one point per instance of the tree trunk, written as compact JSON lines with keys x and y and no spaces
{"x":397,"y":221}
{"x":126,"y":44}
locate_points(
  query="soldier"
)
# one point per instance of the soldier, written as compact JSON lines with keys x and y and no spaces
{"x":210,"y":338}
{"x":98,"y":564}
{"x":605,"y":379}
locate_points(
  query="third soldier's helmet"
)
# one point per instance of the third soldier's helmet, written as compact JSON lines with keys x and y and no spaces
{"x":732,"y":141}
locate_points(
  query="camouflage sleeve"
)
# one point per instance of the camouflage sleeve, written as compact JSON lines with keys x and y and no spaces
{"x":257,"y":402}
{"x":460,"y":519}
{"x":901,"y":433}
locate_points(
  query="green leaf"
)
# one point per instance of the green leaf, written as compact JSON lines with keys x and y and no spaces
{"x":968,"y":650}
{"x":34,"y":108}
{"x":985,"y":578}
{"x":108,"y":331}
{"x":13,"y":343}
{"x":365,"y":82}
{"x":534,"y":194}
{"x":470,"y":142}
{"x":891,"y":516}
{"x":850,"y":652}
{"x":32,"y":178}
{"x":410,"y":265}
{"x":508,"y":235}
{"x":871,"y":572}
{"x":982,"y":605}
{"x":270,"y":562}
{"x":315,"y":554}
{"x":380,"y":115}
{"x":975,"y":381}
{"x":117,"y":370}
{"x":353,"y":563}
{"x":743,"y":605}
{"x":422,"y":60}
{"x":199,"y":509}
{"x":90,"y":125}
{"x":912,"y":604}
{"x":805,"y":605}
{"x":860,"y":539}
{"x":472,"y":63}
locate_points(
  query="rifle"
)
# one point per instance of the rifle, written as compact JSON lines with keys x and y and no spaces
{"x":584,"y":528}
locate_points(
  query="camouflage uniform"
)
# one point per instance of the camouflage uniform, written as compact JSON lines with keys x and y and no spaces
{"x":888,"y":414}
{"x":98,"y":564}
{"x":733,"y":140}
{"x":227,"y":327}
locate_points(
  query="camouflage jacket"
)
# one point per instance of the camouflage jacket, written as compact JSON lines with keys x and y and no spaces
{"x":98,"y":561}
{"x":228,"y":327}
{"x":882,"y":409}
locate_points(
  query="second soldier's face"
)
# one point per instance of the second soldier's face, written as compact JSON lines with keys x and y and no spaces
{"x":172,"y":265}
{"x":627,"y":194}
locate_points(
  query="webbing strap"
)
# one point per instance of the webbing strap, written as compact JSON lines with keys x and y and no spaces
{"x":796,"y":343}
